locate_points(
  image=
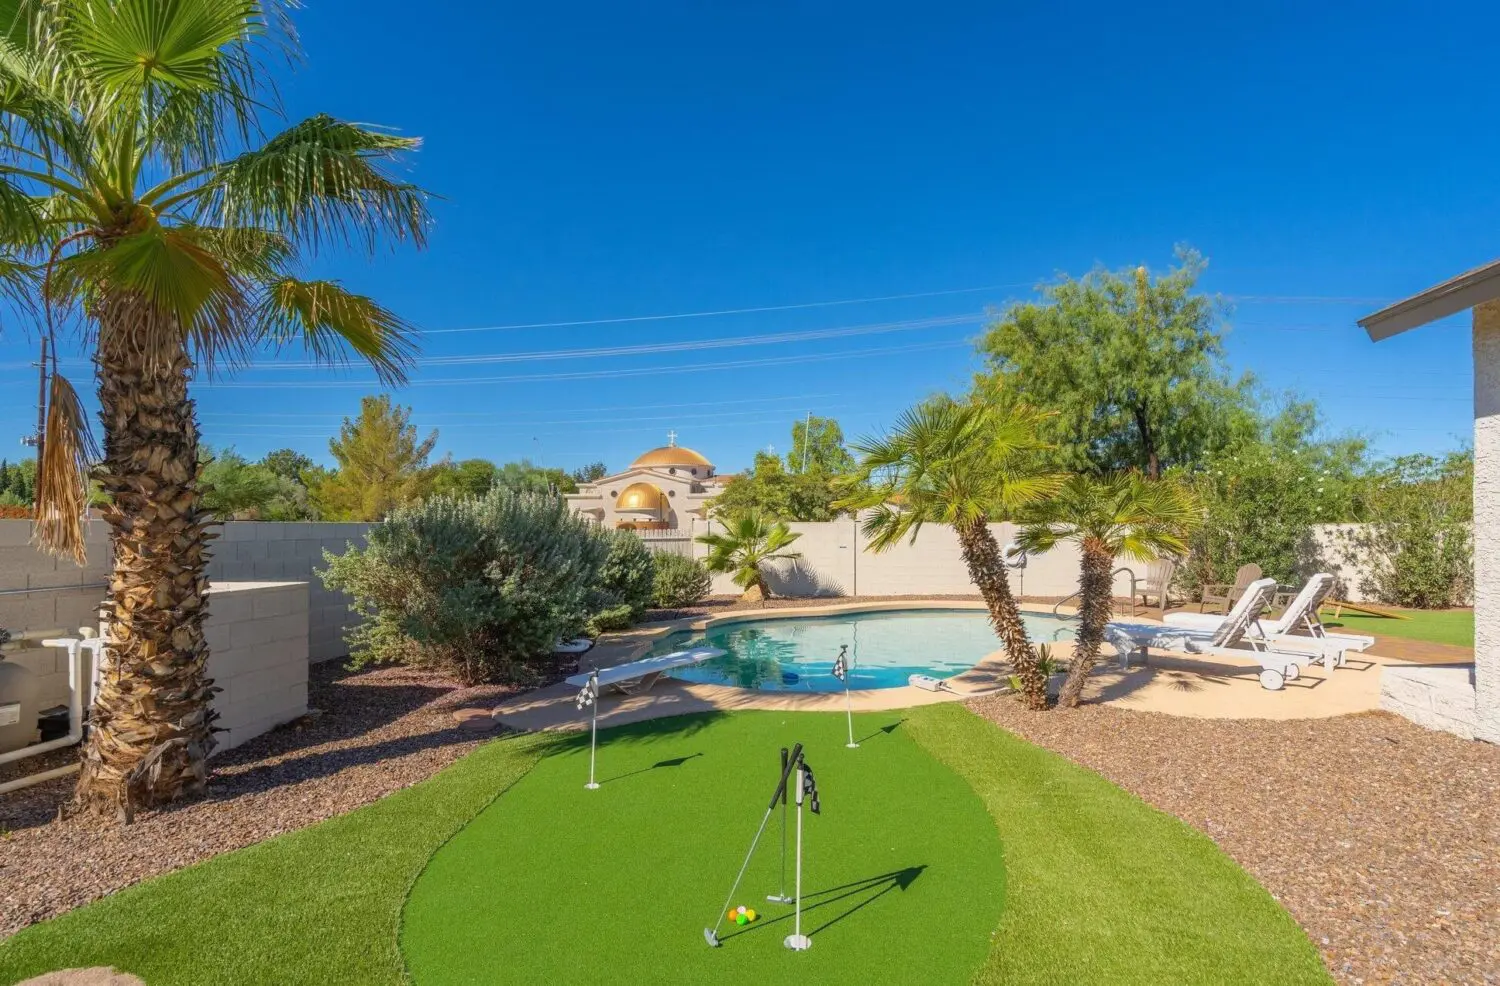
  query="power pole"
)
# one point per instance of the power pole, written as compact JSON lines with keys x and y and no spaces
{"x":806,"y":435}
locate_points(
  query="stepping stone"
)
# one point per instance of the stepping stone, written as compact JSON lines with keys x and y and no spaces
{"x":475,"y":720}
{"x":98,"y":975}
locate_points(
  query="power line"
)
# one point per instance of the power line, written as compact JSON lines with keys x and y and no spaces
{"x":797,"y":399}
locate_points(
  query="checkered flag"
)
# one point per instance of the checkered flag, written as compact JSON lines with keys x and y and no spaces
{"x":841,"y":663}
{"x":810,"y":789}
{"x":590,"y":693}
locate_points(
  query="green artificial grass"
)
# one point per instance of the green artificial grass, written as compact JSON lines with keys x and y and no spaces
{"x":318,"y":907}
{"x":555,"y":884}
{"x":1440,"y":626}
{"x":1013,"y":866}
{"x":1102,"y":888}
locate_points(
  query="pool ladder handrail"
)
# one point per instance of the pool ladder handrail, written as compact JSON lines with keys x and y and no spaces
{"x":1134,"y":581}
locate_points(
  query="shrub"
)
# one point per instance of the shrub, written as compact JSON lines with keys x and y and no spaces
{"x":628,"y":573}
{"x":473,"y":586}
{"x":610,"y":620}
{"x":680,"y":581}
{"x":1418,"y":548}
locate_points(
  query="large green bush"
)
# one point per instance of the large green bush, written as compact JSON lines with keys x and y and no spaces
{"x":680,"y":581}
{"x":628,"y":574}
{"x":1418,"y":547}
{"x":473,"y":586}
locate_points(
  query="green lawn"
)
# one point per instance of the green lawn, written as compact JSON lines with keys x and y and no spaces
{"x":948,"y":851}
{"x":1442,"y":626}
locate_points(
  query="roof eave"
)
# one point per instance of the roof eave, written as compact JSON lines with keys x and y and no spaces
{"x":1467,"y":290}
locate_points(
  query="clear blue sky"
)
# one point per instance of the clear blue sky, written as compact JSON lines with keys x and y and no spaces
{"x":605,"y":160}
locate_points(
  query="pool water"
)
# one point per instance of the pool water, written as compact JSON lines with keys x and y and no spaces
{"x":797,"y":653}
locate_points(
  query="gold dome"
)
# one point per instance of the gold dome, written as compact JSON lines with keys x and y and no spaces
{"x":670,"y":455}
{"x":639,"y":498}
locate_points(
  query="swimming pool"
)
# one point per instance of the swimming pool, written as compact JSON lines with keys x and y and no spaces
{"x":797,"y":653}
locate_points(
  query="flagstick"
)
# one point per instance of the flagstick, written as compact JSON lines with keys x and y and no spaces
{"x":593,"y":729}
{"x":797,"y":941}
{"x":849,"y":705}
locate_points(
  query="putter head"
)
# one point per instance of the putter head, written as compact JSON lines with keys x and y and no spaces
{"x":713,"y":939}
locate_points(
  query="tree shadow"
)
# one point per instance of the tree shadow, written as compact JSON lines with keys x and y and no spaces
{"x":859,"y":893}
{"x":673,"y":762}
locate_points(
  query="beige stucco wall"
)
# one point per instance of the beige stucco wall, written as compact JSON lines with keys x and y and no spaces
{"x":1487,"y":520}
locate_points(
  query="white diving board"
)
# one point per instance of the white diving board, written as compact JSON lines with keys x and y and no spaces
{"x":639,"y":676}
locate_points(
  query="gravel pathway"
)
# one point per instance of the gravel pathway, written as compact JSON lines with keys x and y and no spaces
{"x":1381,"y":838}
{"x":379,"y":731}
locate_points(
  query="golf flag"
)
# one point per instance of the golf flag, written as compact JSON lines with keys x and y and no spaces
{"x":590,"y":691}
{"x":841,"y":664}
{"x":810,"y":788}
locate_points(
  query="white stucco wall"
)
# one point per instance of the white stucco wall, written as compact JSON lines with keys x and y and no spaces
{"x":1487,"y":520}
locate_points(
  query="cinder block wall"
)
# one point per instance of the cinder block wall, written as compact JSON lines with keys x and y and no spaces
{"x":258,"y":640}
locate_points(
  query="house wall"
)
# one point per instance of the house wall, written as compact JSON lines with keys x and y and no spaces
{"x":257,"y":640}
{"x":1487,"y":520}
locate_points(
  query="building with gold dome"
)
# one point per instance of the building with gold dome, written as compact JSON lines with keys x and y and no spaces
{"x":663,"y":490}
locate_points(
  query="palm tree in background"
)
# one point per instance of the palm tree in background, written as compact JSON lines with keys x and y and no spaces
{"x":750,"y":539}
{"x":961,"y":465}
{"x":1121,"y":514}
{"x":132,"y":166}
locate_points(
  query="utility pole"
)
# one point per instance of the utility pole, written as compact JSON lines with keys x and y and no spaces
{"x":806,"y":434}
{"x":40,"y":437}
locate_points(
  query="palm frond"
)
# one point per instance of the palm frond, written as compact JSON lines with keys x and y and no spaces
{"x":62,"y":487}
{"x":320,"y":180}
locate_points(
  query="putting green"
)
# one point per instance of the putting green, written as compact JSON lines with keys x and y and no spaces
{"x":904,"y":875}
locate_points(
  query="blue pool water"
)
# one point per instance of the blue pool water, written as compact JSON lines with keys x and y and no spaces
{"x":797,"y":653}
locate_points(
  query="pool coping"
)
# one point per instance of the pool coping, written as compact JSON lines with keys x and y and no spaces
{"x":553,"y":707}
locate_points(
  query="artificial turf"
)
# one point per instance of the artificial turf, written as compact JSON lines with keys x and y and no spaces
{"x":1440,"y":626}
{"x":948,"y":851}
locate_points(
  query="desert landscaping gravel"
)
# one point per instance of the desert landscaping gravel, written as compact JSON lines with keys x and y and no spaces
{"x":378,"y":731}
{"x":1381,"y":838}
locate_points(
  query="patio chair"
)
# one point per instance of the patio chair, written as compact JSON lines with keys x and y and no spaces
{"x":1299,"y":627}
{"x":1278,"y":666}
{"x":1157,"y":583}
{"x":1226,"y":595}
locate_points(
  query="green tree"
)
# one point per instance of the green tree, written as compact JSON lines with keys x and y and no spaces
{"x":961,"y":465}
{"x":1122,"y":514}
{"x":235,"y":488}
{"x":818,"y":446}
{"x":130,"y":161}
{"x":1263,"y":494}
{"x":1132,"y":365}
{"x":18,"y":482}
{"x":382,"y":464}
{"x":769,"y":489}
{"x":748,"y":541}
{"x":591,"y":473}
{"x":524,"y":476}
{"x":471,"y":477}
{"x":288,"y":464}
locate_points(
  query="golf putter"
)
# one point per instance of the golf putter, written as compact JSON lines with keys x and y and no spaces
{"x":780,"y":897}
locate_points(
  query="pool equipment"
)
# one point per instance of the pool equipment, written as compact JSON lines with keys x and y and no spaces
{"x":792,"y":766}
{"x":841,"y":672}
{"x":588,"y":698}
{"x":928,"y":682}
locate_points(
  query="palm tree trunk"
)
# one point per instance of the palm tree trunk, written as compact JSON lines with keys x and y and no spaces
{"x":987,"y":570}
{"x":1096,"y":590}
{"x":150,"y":732}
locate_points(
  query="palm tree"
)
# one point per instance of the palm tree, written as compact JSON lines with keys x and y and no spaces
{"x":961,"y":465}
{"x":130,"y":160}
{"x":749,"y":540}
{"x":1122,"y":514}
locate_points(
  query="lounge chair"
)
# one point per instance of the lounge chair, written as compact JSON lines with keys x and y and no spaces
{"x":1298,"y":628}
{"x":639,"y":676}
{"x":1226,"y":595}
{"x":1277,"y":666}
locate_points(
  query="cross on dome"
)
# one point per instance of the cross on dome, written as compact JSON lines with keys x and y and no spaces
{"x":671,"y":439}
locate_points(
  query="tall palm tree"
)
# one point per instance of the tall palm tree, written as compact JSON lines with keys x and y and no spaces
{"x":962,"y":465}
{"x":131,"y":153}
{"x":750,"y":539}
{"x":1116,"y":515}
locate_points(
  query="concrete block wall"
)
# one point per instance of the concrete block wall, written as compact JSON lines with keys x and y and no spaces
{"x":1436,"y":697}
{"x":72,"y":605}
{"x":274,"y":551}
{"x":258,"y":655}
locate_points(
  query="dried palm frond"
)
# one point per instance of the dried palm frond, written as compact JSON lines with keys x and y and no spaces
{"x":62,"y":479}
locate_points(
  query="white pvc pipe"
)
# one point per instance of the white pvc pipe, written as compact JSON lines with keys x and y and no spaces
{"x":75,"y":648}
{"x":32,"y":779}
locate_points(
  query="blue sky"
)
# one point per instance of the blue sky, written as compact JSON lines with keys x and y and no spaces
{"x":604,"y":161}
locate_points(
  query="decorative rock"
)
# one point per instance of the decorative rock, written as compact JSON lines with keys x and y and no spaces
{"x":98,"y":975}
{"x":754,"y":594}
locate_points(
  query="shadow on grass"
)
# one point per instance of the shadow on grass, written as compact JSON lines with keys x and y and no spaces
{"x":886,"y":730}
{"x":673,"y":762}
{"x":858,"y":894}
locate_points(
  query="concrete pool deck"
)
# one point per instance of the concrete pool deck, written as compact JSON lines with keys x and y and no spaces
{"x":1173,"y":684}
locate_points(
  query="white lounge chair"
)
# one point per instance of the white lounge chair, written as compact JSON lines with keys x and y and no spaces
{"x":1277,"y":666}
{"x":639,"y":676}
{"x":1297,"y":629}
